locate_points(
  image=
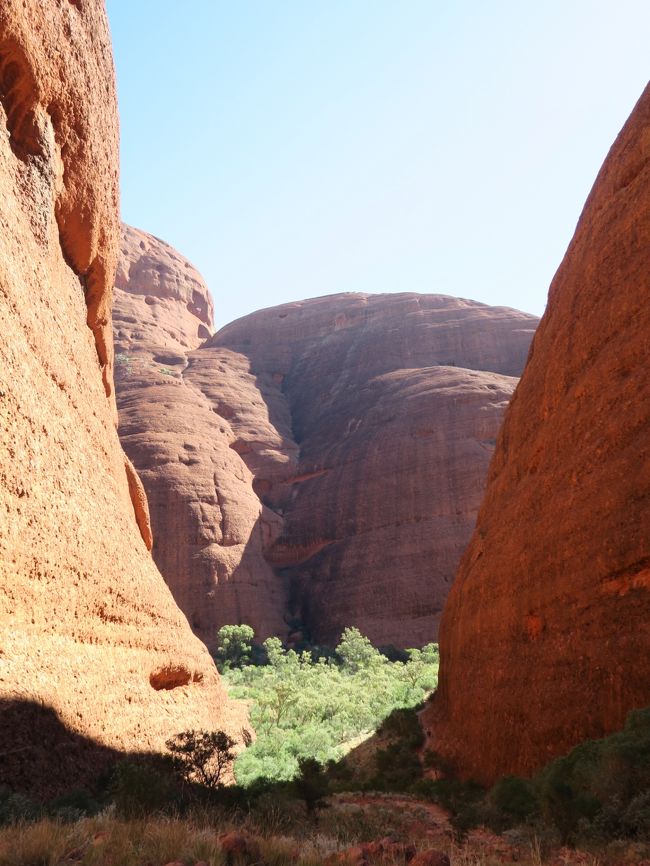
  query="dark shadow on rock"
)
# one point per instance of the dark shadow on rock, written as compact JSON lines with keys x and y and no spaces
{"x":41,"y":757}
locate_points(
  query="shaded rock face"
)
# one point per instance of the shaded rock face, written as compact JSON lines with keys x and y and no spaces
{"x":85,"y":618}
{"x":318,"y":464}
{"x":544,"y":640}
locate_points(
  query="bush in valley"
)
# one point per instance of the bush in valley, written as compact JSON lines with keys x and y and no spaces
{"x":602,"y":787}
{"x":318,"y":703}
{"x":138,"y":788}
{"x":311,"y":785}
{"x":514,"y":801}
{"x":398,"y":765}
{"x":234,"y":646}
{"x":74,"y":805}
{"x":202,"y":757}
{"x":16,"y":808}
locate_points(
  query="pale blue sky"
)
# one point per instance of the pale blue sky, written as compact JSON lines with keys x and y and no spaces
{"x":293,"y":148}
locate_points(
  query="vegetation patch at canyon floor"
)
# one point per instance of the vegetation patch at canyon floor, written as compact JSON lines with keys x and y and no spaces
{"x":317,"y":703}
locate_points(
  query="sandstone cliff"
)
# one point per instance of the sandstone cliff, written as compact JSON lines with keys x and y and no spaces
{"x":318,"y":463}
{"x":91,"y":640}
{"x":210,"y":528}
{"x":544,"y":638}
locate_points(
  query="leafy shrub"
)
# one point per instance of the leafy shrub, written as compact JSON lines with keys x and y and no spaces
{"x":511,"y":801}
{"x":310,"y":785}
{"x":202,"y":756}
{"x":356,"y":652}
{"x":398,"y":768}
{"x":592,"y":788}
{"x":138,"y":789}
{"x":73,"y":806}
{"x":234,"y":646}
{"x":15,"y":808}
{"x":599,"y":791}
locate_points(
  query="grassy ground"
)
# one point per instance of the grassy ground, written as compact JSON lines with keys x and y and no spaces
{"x":284,"y":835}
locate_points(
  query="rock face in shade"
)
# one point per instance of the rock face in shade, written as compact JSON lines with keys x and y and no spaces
{"x":320,"y":462}
{"x":545,"y":639}
{"x":95,"y":652}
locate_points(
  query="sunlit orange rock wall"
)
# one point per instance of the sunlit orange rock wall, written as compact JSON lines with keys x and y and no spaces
{"x":545,"y":637}
{"x":88,"y":628}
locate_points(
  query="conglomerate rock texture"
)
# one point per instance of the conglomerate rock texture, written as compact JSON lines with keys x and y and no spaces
{"x":91,"y":640}
{"x":314,"y":465}
{"x":545,"y":639}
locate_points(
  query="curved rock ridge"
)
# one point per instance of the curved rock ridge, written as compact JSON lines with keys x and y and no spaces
{"x":87,"y":624}
{"x":306,"y":464}
{"x":544,"y":639}
{"x":393,"y":402}
{"x":181,"y":305}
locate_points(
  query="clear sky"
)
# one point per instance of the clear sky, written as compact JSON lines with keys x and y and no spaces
{"x":294,"y":148}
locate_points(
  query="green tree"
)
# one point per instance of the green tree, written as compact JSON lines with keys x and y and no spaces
{"x":202,"y":756}
{"x":356,"y":652}
{"x":310,"y":785}
{"x":234,"y":646}
{"x":274,"y":650}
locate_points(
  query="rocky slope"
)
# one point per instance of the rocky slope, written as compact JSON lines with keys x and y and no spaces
{"x":544,"y":640}
{"x":92,"y":641}
{"x":318,"y":463}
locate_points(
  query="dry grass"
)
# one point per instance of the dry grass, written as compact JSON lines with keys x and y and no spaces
{"x":285,"y":838}
{"x":106,"y":840}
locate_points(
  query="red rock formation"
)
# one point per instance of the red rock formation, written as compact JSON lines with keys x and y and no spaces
{"x":85,"y":618}
{"x":210,"y":528}
{"x":394,"y":402}
{"x":544,"y":639}
{"x":364,"y":424}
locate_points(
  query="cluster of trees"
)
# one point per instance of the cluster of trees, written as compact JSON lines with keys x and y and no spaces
{"x":316,"y":704}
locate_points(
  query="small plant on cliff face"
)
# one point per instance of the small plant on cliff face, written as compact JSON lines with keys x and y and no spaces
{"x":202,"y":756}
{"x":123,"y":362}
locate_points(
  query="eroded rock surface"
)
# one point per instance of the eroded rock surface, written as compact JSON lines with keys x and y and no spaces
{"x":210,"y":529}
{"x":545,"y":638}
{"x":317,"y":464}
{"x":86,"y":620}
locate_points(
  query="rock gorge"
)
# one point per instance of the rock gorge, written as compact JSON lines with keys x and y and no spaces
{"x":314,"y":465}
{"x":95,"y":656}
{"x":545,"y":637}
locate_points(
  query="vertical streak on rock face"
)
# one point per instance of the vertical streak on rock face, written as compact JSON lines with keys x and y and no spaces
{"x":85,"y":618}
{"x":545,"y":639}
